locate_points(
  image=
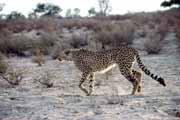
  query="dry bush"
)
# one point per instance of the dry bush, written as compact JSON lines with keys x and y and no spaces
{"x":140,"y":19}
{"x":39,"y":58}
{"x":155,"y":38}
{"x":9,"y":73}
{"x":89,"y":23}
{"x":45,"y":79}
{"x":78,"y":23}
{"x":45,"y":42}
{"x":3,"y":64}
{"x":68,"y":23}
{"x":15,"y":44}
{"x":20,"y":43}
{"x":115,"y":34}
{"x":172,"y":16}
{"x":175,"y":19}
{"x":153,"y":46}
{"x":16,"y":26}
{"x":56,"y":50}
{"x":104,"y":25}
{"x":60,"y":46}
{"x":13,"y":77}
{"x":48,"y":24}
{"x":78,"y":40}
{"x":119,"y":17}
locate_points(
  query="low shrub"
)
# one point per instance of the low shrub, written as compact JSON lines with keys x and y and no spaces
{"x":8,"y":73}
{"x":13,"y":77}
{"x":78,"y":23}
{"x":48,"y":24}
{"x":153,"y":46}
{"x":155,"y":38}
{"x":115,"y":35}
{"x":14,"y":44}
{"x":45,"y":79}
{"x":78,"y":40}
{"x":39,"y":58}
{"x":45,"y":42}
{"x":3,"y":65}
{"x":19,"y":43}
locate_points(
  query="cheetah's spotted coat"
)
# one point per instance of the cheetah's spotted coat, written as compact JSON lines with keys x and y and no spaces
{"x":89,"y":62}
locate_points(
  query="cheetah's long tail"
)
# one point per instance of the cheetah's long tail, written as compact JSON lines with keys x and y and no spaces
{"x":147,"y":72}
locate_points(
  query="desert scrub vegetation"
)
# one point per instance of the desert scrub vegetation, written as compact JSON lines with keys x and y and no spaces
{"x":45,"y":41}
{"x":78,"y":40}
{"x":106,"y":31}
{"x":13,"y":44}
{"x":56,"y":50}
{"x":20,"y":43}
{"x":155,"y":35}
{"x":3,"y":64}
{"x":45,"y":79}
{"x":13,"y":77}
{"x":39,"y":57}
{"x":10,"y":74}
{"x":48,"y":24}
{"x":78,"y":23}
{"x":115,"y":34}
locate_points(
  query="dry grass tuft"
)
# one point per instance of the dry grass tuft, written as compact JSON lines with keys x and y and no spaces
{"x":45,"y":79}
{"x":10,"y":74}
{"x":13,"y":77}
{"x":39,"y":58}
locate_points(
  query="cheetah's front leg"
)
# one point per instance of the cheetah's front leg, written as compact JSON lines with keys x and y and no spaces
{"x":91,"y":83}
{"x":83,"y":78}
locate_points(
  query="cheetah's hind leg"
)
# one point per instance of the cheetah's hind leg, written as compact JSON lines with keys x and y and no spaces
{"x":138,"y":76}
{"x":127,"y":73}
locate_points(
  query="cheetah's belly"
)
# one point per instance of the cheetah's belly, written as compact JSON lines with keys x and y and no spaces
{"x":106,"y":69}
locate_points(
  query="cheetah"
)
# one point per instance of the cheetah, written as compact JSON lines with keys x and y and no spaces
{"x":90,"y":62}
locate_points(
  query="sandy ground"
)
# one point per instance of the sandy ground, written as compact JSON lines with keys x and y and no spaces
{"x":111,"y":99}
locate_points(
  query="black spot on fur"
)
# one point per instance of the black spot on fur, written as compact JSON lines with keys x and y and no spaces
{"x":161,"y":81}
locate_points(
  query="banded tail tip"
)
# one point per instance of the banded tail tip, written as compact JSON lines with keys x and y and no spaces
{"x":161,"y":81}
